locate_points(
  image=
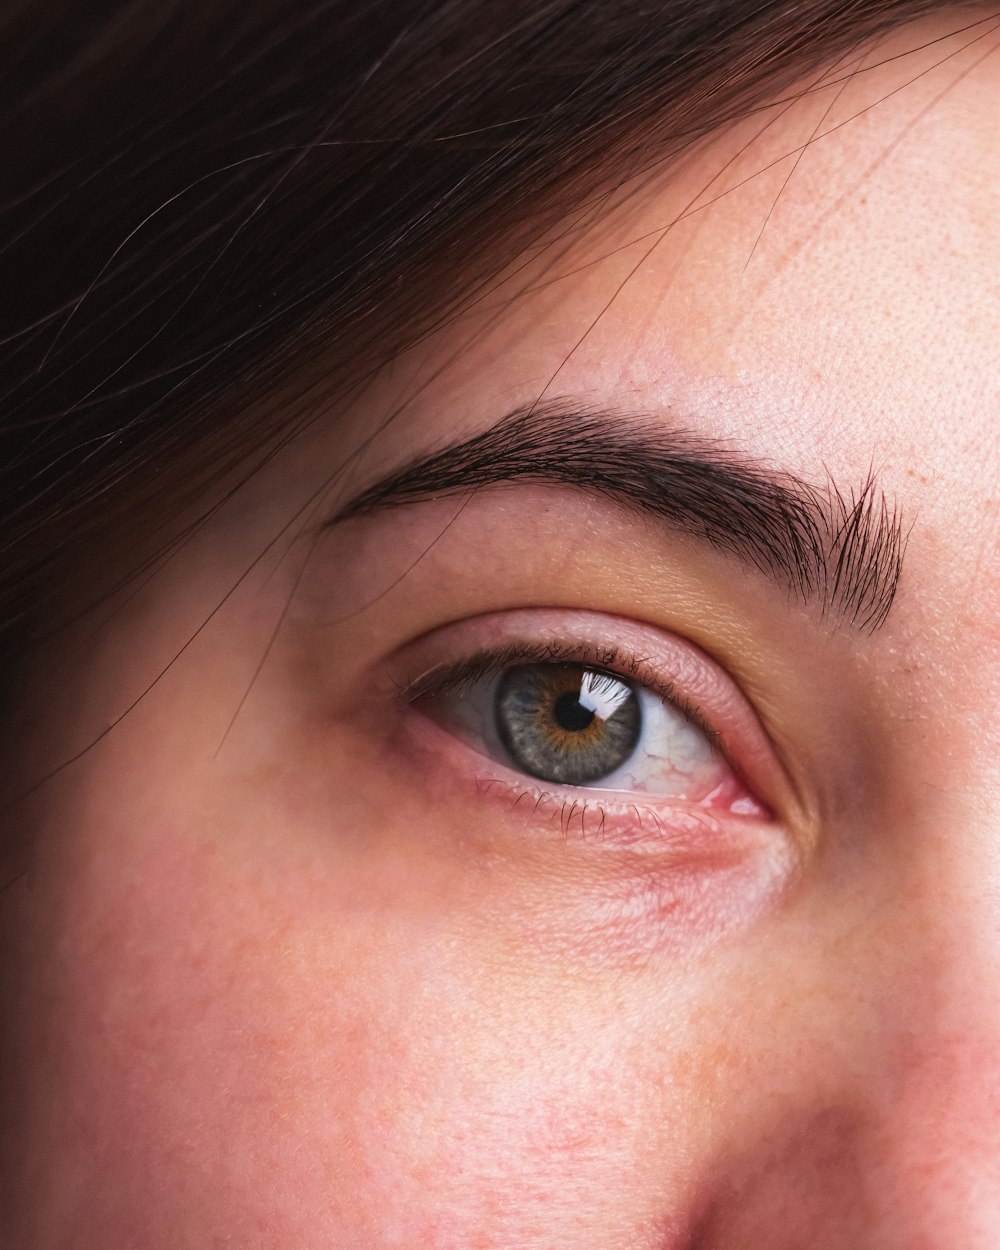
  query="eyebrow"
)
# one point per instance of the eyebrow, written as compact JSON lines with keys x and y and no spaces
{"x":842,"y":550}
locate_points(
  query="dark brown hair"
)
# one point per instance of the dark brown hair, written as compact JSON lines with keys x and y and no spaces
{"x":202,"y":194}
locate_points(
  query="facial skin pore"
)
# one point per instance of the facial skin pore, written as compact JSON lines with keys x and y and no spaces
{"x":296,"y":964}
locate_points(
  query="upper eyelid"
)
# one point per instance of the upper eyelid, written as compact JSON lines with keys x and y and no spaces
{"x":485,"y":663}
{"x":842,"y":547}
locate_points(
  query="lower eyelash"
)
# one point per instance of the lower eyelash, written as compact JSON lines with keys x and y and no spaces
{"x":545,"y":804}
{"x":630,"y":826}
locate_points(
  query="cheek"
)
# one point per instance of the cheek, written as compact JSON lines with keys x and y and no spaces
{"x":289,"y":1009}
{"x":248,"y":1031}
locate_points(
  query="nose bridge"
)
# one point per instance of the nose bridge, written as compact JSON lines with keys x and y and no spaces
{"x":936,"y":1143}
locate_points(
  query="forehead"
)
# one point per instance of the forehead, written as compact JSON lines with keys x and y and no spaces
{"x":817,"y":284}
{"x":823,"y":273}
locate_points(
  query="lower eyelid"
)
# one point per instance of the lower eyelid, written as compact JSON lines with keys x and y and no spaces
{"x":603,"y":879}
{"x":677,"y":830}
{"x":709,"y":782}
{"x":639,"y":822}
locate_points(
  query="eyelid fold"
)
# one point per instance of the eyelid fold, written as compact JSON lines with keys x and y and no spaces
{"x":677,"y":670}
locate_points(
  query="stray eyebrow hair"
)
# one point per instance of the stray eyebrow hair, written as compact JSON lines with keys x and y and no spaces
{"x":842,"y":550}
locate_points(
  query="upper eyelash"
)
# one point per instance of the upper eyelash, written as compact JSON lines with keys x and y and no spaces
{"x":608,"y":658}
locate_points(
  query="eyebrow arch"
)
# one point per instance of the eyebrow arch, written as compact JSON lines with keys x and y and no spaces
{"x":841,"y":550}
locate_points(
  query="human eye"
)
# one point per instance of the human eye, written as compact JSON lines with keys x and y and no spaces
{"x":593,"y":707}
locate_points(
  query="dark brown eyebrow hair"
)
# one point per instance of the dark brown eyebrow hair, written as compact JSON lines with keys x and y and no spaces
{"x":842,"y":550}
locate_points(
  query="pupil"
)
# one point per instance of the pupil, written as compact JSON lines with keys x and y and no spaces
{"x":543,"y":720}
{"x":570,"y":714}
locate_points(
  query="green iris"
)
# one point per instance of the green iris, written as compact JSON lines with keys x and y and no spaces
{"x":565,"y":722}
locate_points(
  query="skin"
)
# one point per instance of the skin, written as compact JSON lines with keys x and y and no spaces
{"x":286,"y":973}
